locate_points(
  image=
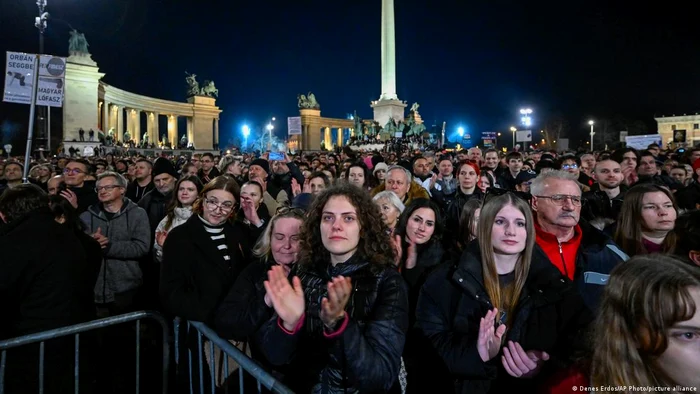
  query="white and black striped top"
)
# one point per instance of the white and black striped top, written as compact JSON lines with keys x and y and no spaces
{"x":216,"y":233}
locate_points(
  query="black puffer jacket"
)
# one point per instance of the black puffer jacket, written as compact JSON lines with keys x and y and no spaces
{"x":551,"y":316}
{"x":362,"y":357}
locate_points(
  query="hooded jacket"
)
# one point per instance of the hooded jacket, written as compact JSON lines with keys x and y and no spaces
{"x":129,"y":235}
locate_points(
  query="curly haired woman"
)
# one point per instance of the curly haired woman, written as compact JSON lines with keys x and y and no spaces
{"x":342,"y":322}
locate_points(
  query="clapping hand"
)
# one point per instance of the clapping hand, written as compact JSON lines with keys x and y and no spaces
{"x":411,"y":252}
{"x":288,"y":301}
{"x":333,"y":307}
{"x":489,"y":342}
{"x":296,"y":188}
{"x":249,"y":211}
{"x":521,"y":364}
{"x":101,"y":239}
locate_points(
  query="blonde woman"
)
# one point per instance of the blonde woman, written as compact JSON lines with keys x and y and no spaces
{"x":649,"y":326}
{"x":498,"y":314}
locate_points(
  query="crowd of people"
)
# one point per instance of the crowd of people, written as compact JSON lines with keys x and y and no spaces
{"x":402,"y":271}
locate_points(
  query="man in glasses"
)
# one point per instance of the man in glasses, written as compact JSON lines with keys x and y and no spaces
{"x":79,"y":192}
{"x":122,"y":230}
{"x":582,"y":253}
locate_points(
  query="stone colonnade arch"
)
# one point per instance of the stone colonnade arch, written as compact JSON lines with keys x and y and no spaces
{"x":91,"y":103}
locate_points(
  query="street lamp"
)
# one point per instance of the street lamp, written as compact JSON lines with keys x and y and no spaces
{"x":246,"y":133}
{"x":513,"y":130}
{"x":590,"y":122}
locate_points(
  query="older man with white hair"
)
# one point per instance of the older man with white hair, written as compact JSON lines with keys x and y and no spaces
{"x":400,"y":181}
{"x":582,"y":253}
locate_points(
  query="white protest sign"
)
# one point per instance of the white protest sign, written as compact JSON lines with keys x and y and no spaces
{"x":52,"y":73}
{"x":19,"y":76}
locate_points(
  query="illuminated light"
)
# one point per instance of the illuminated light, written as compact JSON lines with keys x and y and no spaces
{"x":246,"y":131}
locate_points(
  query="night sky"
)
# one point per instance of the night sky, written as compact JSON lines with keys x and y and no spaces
{"x":471,"y":64}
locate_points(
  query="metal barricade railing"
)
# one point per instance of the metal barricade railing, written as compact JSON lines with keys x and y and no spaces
{"x":76,"y":330}
{"x":245,"y":363}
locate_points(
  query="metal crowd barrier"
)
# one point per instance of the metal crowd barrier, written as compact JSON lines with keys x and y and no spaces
{"x":76,"y":330}
{"x":246,"y":364}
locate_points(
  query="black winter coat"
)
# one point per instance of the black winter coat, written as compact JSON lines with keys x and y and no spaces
{"x":194,"y":277}
{"x":366,"y":356}
{"x":551,"y":316}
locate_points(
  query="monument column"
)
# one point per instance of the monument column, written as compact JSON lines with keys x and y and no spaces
{"x":152,"y":128}
{"x":190,"y":130}
{"x":340,"y":136}
{"x":388,"y":106}
{"x":105,"y":117}
{"x":137,"y":126}
{"x":388,"y":52}
{"x":327,"y":139}
{"x":172,"y":130}
{"x":120,"y":124}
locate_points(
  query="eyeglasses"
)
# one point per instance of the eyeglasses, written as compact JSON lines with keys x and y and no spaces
{"x":494,"y":192}
{"x":560,"y":199}
{"x":107,"y":188}
{"x":569,"y":166}
{"x":73,"y":171}
{"x":213,"y":205}
{"x":293,"y":210}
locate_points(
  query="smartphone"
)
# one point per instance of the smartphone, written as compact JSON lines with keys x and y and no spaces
{"x":276,"y":156}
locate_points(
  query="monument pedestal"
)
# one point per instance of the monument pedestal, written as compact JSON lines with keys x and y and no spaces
{"x":388,"y":109}
{"x":81,"y":96}
{"x":204,"y":126}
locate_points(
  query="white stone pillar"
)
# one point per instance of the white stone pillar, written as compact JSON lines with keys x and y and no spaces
{"x":388,"y":52}
{"x":172,"y":130}
{"x":120,"y":124}
{"x":136,"y":119}
{"x":190,"y":130}
{"x":105,"y":117}
{"x":340,"y":136}
{"x":152,"y":128}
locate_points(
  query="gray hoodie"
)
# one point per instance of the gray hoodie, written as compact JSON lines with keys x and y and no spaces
{"x":129,"y":234}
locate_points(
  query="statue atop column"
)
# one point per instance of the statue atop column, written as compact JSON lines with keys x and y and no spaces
{"x":308,"y":101}
{"x":192,"y":84}
{"x":77,"y":44}
{"x":209,"y":89}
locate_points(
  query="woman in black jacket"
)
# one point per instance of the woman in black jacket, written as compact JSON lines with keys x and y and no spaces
{"x":202,"y":259}
{"x":342,"y":324}
{"x":246,"y":307}
{"x":499,"y":314}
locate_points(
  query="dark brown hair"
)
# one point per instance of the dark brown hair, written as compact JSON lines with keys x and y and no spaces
{"x":374,"y":246}
{"x":175,"y":203}
{"x":629,"y":227}
{"x":221,"y":182}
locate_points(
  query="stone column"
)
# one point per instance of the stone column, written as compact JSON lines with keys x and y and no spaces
{"x":190,"y":130}
{"x":152,"y":128}
{"x":105,"y":117}
{"x":216,"y":133}
{"x":136,"y":119}
{"x":388,"y":52}
{"x":172,"y":130}
{"x":340,"y":136}
{"x":120,"y":124}
{"x":327,"y":138}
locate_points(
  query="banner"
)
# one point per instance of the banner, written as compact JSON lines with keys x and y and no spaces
{"x":642,"y":142}
{"x":294,"y":125}
{"x":19,"y":74}
{"x":523,"y":135}
{"x":52,"y":74}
